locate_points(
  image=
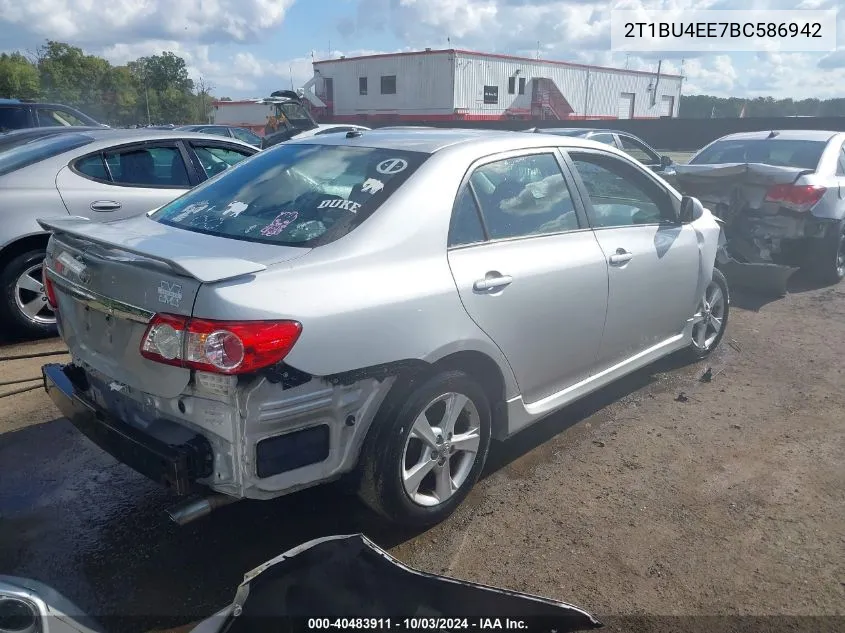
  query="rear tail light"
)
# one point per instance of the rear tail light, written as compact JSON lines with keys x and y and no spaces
{"x":221,"y":347}
{"x":796,"y":197}
{"x":49,"y":289}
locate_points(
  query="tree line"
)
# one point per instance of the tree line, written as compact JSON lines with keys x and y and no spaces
{"x":705,"y":107}
{"x":150,"y":90}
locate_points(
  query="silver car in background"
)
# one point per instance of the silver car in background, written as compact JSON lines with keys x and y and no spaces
{"x":781,"y":194}
{"x":104,"y":175}
{"x":376,"y":304}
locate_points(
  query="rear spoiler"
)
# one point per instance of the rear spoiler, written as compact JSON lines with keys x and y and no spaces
{"x":199,"y":266}
{"x":751,"y":173}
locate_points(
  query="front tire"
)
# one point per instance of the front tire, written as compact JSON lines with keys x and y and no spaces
{"x":422,"y":458}
{"x":23,"y":305}
{"x":711,"y":318}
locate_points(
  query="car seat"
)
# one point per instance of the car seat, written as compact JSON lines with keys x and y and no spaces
{"x":178,"y":173}
{"x":137,"y":168}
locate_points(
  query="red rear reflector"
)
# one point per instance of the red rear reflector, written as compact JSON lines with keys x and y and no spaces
{"x":49,"y":290}
{"x":222,"y":347}
{"x":796,"y":197}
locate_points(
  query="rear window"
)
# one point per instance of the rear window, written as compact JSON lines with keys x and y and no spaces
{"x":294,"y":194}
{"x":40,"y":149}
{"x":780,"y":152}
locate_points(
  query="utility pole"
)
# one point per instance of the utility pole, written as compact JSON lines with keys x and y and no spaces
{"x":147,"y":94}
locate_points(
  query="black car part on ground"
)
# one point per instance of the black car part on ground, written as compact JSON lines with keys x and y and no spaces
{"x":761,"y":249}
{"x":349,"y":577}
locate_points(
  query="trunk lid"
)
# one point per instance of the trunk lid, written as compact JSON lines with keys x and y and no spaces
{"x":110,"y":279}
{"x":730,"y":188}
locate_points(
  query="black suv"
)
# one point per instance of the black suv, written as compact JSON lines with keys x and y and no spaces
{"x":17,"y":115}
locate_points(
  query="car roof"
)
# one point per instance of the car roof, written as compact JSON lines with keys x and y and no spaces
{"x":109,"y":136}
{"x":796,"y":135}
{"x":431,"y":140}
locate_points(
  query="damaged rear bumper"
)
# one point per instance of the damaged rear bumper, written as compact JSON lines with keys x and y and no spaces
{"x":174,"y":466}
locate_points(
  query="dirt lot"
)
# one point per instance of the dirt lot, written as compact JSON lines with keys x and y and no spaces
{"x":664,"y":495}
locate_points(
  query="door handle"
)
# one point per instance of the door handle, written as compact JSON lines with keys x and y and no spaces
{"x":105,"y":205}
{"x":621,"y":256}
{"x":490,"y":283}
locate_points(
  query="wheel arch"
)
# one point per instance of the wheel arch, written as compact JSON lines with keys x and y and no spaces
{"x":476,"y":364}
{"x":22,"y":245}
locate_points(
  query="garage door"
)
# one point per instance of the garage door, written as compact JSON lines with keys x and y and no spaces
{"x":667,"y":105}
{"x":626,"y":105}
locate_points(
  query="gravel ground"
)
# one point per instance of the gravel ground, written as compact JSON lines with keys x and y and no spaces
{"x":662,"y":495}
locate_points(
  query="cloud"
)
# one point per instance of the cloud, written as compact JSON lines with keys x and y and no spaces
{"x":87,"y":23}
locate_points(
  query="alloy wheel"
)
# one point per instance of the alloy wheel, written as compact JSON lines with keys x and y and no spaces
{"x":441,"y":449}
{"x":31,"y":299}
{"x":708,"y":320}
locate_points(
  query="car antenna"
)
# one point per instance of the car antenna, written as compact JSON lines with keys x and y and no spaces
{"x":772,"y":134}
{"x":353,"y":133}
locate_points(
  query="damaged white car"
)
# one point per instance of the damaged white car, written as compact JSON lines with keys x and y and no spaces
{"x":782,"y":197}
{"x":376,"y":304}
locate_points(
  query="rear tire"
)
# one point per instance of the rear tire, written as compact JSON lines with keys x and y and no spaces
{"x":419,"y":463}
{"x":24,"y":310}
{"x":828,"y":263}
{"x":712,"y":314}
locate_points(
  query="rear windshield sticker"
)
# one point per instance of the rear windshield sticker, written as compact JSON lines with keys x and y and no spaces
{"x":191,"y":209}
{"x":392,"y":166}
{"x":280,"y":223}
{"x":235,"y":208}
{"x":338,"y":203}
{"x":169,"y":293}
{"x":373,"y":186}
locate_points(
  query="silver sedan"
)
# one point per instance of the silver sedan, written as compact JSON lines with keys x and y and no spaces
{"x":379,"y":306}
{"x":104,"y":175}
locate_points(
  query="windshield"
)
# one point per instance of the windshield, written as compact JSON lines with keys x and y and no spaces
{"x":294,"y":194}
{"x":29,"y":153}
{"x":780,"y":152}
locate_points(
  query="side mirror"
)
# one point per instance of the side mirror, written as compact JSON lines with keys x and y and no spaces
{"x":691,"y":210}
{"x":665,"y":161}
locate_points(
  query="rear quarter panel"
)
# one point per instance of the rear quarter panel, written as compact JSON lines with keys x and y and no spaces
{"x":23,"y":202}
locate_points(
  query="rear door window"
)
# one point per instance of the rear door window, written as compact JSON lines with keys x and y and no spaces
{"x":294,"y":194}
{"x":607,"y":139}
{"x":13,"y":118}
{"x":149,"y":166}
{"x":246,"y":136}
{"x":638,"y":151}
{"x":524,"y":196}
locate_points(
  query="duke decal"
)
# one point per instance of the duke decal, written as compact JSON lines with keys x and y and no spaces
{"x":280,"y":223}
{"x":346,"y":205}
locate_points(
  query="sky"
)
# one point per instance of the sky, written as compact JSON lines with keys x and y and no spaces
{"x":248,"y":48}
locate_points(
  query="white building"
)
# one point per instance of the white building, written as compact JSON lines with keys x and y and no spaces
{"x":454,"y":84}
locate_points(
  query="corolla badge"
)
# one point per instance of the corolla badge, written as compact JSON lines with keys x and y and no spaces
{"x":169,"y":293}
